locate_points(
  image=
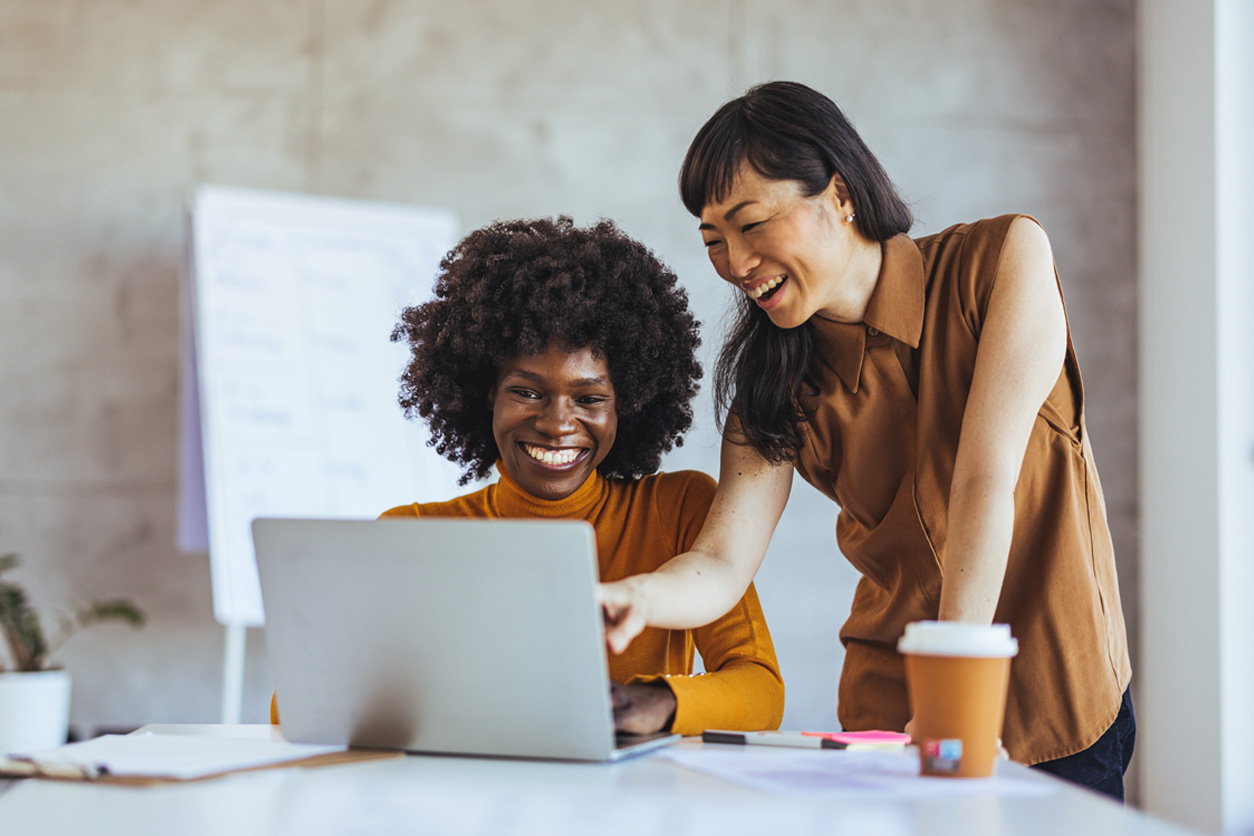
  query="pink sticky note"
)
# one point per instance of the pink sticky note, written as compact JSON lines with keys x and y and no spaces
{"x":882,"y":738}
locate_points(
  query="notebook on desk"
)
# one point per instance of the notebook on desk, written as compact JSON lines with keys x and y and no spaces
{"x":478,"y":637}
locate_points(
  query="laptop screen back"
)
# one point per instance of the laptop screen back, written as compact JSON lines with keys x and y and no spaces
{"x":437,"y":635}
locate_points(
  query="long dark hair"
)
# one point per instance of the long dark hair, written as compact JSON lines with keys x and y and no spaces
{"x":785,"y":131}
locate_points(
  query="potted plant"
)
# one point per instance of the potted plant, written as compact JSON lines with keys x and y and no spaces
{"x":35,"y":693}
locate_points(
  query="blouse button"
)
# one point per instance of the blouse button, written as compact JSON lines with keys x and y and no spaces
{"x":872,"y":332}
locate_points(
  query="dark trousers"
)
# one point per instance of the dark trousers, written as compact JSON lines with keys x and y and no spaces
{"x":1101,"y":766}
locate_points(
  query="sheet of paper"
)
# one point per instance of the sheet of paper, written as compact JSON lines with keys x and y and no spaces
{"x":289,"y":397}
{"x":811,"y":771}
{"x":172,"y":755}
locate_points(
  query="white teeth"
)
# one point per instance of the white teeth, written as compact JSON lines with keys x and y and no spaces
{"x":555,"y":457}
{"x":764,"y":287}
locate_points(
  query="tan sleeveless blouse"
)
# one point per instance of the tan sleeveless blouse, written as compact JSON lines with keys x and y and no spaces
{"x":885,"y":413}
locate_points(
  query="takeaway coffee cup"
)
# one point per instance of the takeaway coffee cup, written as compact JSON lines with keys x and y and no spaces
{"x":957,"y":675}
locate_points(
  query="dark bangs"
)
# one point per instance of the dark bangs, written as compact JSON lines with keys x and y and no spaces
{"x":788,"y":131}
{"x":736,"y":133}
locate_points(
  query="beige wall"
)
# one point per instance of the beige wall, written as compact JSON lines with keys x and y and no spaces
{"x":111,"y":111}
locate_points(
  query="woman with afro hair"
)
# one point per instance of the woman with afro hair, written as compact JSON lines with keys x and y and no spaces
{"x":565,"y":357}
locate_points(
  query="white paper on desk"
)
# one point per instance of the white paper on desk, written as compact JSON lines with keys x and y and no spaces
{"x":812,"y":771}
{"x":175,"y":756}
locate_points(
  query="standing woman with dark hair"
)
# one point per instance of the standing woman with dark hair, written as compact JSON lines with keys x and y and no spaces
{"x":928,"y":387}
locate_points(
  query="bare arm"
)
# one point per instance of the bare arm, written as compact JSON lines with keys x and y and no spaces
{"x":1020,"y":356}
{"x":696,"y":587}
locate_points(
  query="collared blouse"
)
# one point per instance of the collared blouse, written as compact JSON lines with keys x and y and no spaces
{"x":884,"y":403}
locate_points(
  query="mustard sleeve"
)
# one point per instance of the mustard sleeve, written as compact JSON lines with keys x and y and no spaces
{"x":742,"y":687}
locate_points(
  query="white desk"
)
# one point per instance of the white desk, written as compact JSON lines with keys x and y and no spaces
{"x":453,"y":795}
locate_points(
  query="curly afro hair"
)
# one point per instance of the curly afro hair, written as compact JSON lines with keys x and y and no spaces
{"x":518,"y":287}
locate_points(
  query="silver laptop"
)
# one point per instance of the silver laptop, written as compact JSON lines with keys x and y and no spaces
{"x":461,"y":636}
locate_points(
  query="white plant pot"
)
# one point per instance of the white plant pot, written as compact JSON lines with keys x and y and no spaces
{"x":34,"y":710}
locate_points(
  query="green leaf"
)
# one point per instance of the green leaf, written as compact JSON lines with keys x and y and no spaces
{"x":22,"y":630}
{"x":24,"y":634}
{"x":114,"y":609}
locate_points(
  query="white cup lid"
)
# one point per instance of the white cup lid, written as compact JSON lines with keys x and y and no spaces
{"x":956,"y":638}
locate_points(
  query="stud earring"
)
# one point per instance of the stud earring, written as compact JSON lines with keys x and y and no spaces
{"x":849,"y":217}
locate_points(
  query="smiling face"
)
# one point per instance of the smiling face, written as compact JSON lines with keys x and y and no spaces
{"x":795,"y":256}
{"x":555,"y":417}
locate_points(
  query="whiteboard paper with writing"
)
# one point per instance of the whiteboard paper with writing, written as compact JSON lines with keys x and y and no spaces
{"x":294,"y":300}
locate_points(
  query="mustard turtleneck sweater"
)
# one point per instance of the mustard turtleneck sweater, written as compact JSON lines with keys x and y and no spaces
{"x":639,"y":526}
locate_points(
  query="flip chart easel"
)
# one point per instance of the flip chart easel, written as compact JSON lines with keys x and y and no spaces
{"x":289,"y":377}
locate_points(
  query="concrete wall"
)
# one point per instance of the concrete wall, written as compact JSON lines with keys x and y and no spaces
{"x":110,"y":112}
